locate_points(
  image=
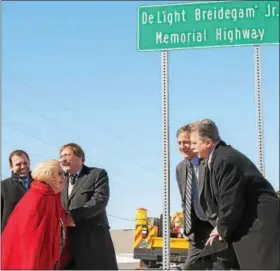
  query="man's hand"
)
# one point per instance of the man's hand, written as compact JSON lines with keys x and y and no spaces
{"x":213,"y":235}
{"x":70,"y":222}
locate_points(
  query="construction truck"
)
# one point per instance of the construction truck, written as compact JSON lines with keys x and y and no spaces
{"x":148,"y":240}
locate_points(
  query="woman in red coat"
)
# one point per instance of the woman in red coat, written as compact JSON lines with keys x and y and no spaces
{"x":35,"y":234}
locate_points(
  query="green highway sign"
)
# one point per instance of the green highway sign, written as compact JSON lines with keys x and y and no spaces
{"x":207,"y":24}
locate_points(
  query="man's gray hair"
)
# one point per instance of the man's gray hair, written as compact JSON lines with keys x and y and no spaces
{"x":184,"y":128}
{"x":206,"y":128}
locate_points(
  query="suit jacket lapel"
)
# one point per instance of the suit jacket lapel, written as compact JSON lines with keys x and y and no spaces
{"x":203,"y":183}
{"x":208,"y":198}
{"x":215,"y":152}
{"x":65,"y":194}
{"x":201,"y":179}
{"x":19,"y":185}
{"x":79,"y":182}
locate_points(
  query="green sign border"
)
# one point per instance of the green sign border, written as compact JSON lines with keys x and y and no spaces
{"x":198,"y":47}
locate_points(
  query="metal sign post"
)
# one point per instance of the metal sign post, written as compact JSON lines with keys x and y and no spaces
{"x":259,"y":110}
{"x":166,"y":162}
{"x":205,"y":25}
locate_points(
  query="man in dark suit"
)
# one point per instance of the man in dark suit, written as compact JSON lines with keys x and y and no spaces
{"x":198,"y":228}
{"x":86,"y":196}
{"x":13,"y":188}
{"x":242,"y":202}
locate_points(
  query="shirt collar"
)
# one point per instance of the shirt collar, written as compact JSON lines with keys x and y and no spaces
{"x":78,"y":172}
{"x":210,"y":156}
{"x":25,"y":180}
{"x":195,"y":161}
{"x":67,"y":174}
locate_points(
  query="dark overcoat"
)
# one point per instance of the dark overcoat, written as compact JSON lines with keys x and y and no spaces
{"x":245,"y":206}
{"x":90,"y":240}
{"x":11,"y":193}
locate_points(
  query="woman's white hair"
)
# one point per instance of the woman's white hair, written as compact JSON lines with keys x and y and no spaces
{"x":44,"y":170}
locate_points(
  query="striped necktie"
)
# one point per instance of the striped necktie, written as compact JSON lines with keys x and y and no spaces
{"x":188,"y":199}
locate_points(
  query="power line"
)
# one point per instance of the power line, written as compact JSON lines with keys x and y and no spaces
{"x":80,"y":117}
{"x":38,"y":139}
{"x":124,"y":185}
{"x":122,"y":218}
{"x":4,"y":177}
{"x":51,"y":121}
{"x":24,"y":132}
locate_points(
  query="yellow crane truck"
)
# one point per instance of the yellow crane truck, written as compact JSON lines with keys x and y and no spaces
{"x":148,"y":240}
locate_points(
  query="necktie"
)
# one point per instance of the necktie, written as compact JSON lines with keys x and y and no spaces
{"x":72,"y":181}
{"x":24,"y":183}
{"x":72,"y":178}
{"x":188,"y":199}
